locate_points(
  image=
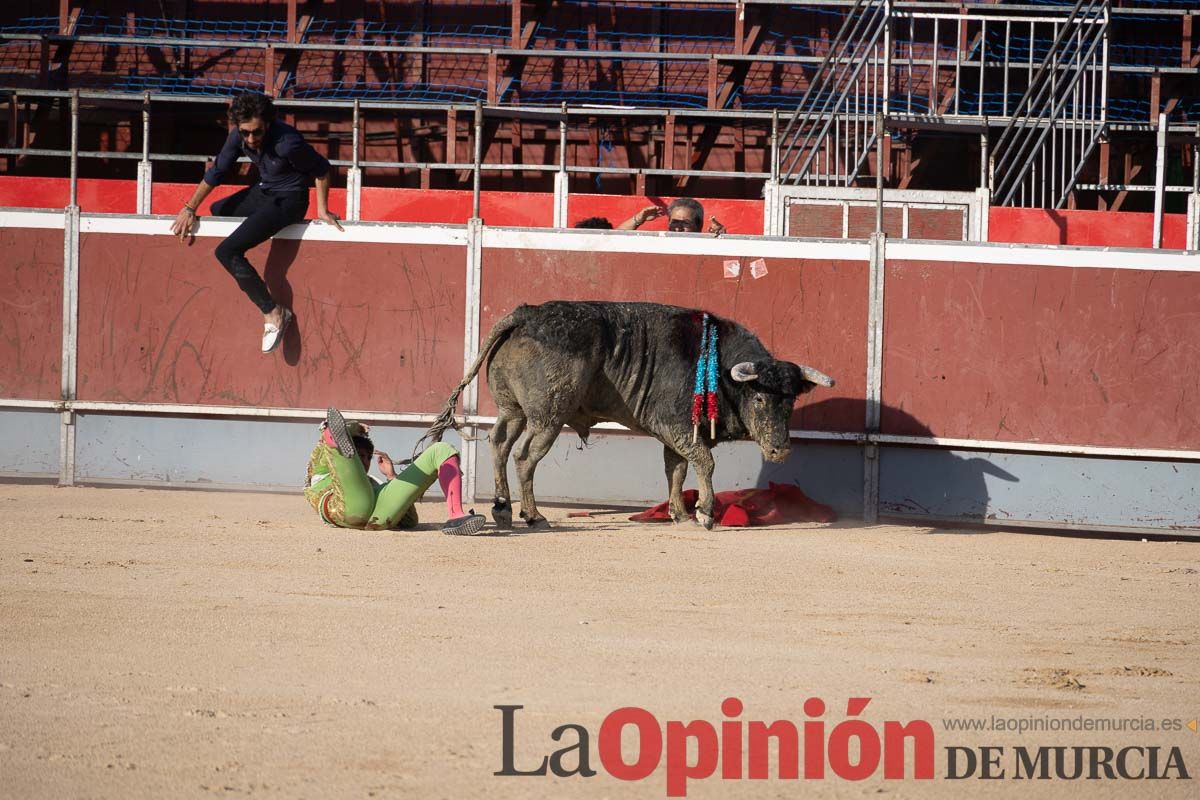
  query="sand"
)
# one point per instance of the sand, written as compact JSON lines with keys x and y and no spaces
{"x":183,"y":644}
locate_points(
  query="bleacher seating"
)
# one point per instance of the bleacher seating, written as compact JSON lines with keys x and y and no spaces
{"x":569,"y":26}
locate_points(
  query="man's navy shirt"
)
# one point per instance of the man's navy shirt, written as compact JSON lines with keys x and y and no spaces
{"x":285,"y":161}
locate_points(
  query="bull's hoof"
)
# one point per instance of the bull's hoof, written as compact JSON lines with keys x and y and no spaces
{"x":537,"y":521}
{"x":704,"y":519}
{"x":502,"y":514}
{"x":677,"y":516}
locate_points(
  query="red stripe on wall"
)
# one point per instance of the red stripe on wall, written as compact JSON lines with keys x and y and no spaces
{"x":1095,"y":228}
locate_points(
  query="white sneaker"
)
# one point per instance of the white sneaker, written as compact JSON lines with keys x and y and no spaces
{"x":273,"y":335}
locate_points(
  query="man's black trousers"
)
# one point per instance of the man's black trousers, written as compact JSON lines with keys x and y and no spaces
{"x":267,"y":212}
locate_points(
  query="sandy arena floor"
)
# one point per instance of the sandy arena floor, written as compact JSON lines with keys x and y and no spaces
{"x":167,"y":644}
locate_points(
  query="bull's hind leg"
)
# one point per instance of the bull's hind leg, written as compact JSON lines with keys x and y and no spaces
{"x":510,"y":424}
{"x":676,"y":472}
{"x":533,"y":449}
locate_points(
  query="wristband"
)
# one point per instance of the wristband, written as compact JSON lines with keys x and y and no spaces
{"x":189,"y":208}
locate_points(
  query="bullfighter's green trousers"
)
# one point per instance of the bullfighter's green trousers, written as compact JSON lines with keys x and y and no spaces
{"x":342,"y":492}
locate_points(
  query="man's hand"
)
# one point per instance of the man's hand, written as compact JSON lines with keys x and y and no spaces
{"x":641,"y":218}
{"x":184,"y":222}
{"x":330,"y":218}
{"x":385,"y":464}
{"x":646,"y":214}
{"x":715,"y":227}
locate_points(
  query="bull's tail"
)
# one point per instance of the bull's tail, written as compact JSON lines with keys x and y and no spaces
{"x":445,"y":420}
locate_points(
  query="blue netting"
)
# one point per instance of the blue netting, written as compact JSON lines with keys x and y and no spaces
{"x":195,"y":28}
{"x":991,"y":104}
{"x":393,"y":90}
{"x":1125,"y":11}
{"x":628,"y":40}
{"x":790,"y":101}
{"x":1154,"y":55}
{"x":1136,"y":109}
{"x":675,"y":9}
{"x":611,"y":97}
{"x":96,"y":23}
{"x":403,"y":32}
{"x":49,"y":25}
{"x":224,"y":86}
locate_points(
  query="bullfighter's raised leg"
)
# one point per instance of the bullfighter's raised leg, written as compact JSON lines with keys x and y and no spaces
{"x":510,"y":424}
{"x":532,"y":450}
{"x":676,"y":473}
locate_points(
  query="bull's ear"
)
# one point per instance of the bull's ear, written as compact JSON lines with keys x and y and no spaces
{"x":745,"y":371}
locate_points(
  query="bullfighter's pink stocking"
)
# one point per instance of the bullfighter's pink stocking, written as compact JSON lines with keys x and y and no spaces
{"x":450,"y":479}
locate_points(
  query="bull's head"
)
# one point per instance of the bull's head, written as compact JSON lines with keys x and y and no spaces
{"x":768,"y":390}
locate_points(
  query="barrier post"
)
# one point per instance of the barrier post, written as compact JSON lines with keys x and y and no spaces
{"x":471,"y":337}
{"x":874,"y":377}
{"x":145,"y":173}
{"x":561,"y":184}
{"x":879,"y":136}
{"x":70,"y":332}
{"x":354,"y":174}
{"x":1160,"y":180}
{"x":1193,"y":239}
{"x":978,"y":215}
{"x":984,"y":158}
{"x":1193,"y":221}
{"x":773,"y":211}
{"x":478,"y":159}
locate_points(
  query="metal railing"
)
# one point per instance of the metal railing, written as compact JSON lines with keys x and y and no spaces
{"x":833,"y":131}
{"x":1060,"y":118}
{"x":889,"y":59}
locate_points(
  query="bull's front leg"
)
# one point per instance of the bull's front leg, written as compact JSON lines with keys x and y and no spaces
{"x":702,"y":461}
{"x":700,"y":457}
{"x":676,"y":473}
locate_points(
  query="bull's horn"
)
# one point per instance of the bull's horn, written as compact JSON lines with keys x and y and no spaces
{"x":815,"y":376}
{"x":743,"y":372}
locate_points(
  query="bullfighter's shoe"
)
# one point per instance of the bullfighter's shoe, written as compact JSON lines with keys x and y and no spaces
{"x":273,"y":334}
{"x":337,"y":434}
{"x":469,"y":525}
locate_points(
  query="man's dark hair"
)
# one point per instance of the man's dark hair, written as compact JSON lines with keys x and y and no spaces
{"x":693,"y":207}
{"x":600,"y":223}
{"x":248,"y":105}
{"x":362,"y":442}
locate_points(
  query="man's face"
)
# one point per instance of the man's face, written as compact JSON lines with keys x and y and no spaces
{"x":364,"y":454}
{"x":253,"y":132}
{"x":682,"y":221}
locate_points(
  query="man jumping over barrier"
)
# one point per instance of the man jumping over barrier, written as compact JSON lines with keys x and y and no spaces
{"x":338,"y":487}
{"x":287,"y":167}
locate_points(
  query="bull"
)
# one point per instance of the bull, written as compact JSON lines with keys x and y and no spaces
{"x":580,"y":363}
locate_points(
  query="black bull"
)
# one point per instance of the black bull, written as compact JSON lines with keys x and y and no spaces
{"x":579,"y":363}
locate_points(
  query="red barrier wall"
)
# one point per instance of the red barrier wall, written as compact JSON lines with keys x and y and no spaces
{"x":1042,"y":354}
{"x":31,"y":272}
{"x":98,"y":195}
{"x":168,"y":198}
{"x":1096,"y":228}
{"x":515,"y":209}
{"x":529,"y":209}
{"x":163,"y":322}
{"x":805,"y":311}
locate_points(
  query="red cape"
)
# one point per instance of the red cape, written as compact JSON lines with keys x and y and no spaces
{"x":779,"y":504}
